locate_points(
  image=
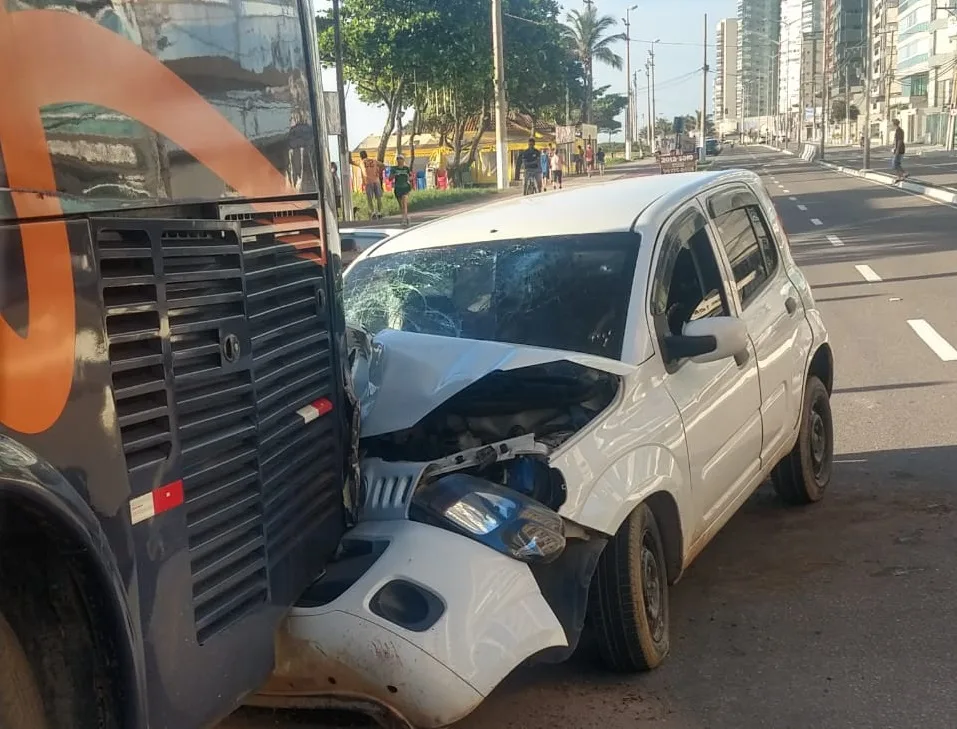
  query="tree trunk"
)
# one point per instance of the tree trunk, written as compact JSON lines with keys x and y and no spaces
{"x":485,"y":122}
{"x":392,"y":107}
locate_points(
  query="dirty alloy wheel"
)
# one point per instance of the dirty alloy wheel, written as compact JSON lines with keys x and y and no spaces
{"x":803,"y":474}
{"x":628,"y":600}
{"x":20,"y":703}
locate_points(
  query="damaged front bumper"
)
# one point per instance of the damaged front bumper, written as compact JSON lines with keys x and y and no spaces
{"x":414,"y":620}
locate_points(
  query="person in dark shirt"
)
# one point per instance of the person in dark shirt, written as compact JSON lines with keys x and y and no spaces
{"x":898,"y":158}
{"x":401,"y":177}
{"x":532,"y":163}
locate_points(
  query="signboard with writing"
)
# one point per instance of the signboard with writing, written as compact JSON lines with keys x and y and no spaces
{"x":678,"y":163}
{"x":564,"y":135}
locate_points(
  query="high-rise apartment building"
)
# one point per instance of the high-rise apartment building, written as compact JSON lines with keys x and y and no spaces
{"x":846,"y":29}
{"x":758,"y":38}
{"x":883,"y":24}
{"x":802,"y":24}
{"x":726,"y":76}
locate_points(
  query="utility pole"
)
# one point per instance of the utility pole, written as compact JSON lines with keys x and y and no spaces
{"x":629,"y":134}
{"x":847,"y":104}
{"x":651,"y":118}
{"x":634,"y":107}
{"x":825,"y":84}
{"x":867,"y":86}
{"x":501,"y":114}
{"x":345,"y":164}
{"x":702,"y":153}
{"x":651,"y":55}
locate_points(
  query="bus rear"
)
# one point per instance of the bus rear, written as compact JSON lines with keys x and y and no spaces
{"x":175,"y":429}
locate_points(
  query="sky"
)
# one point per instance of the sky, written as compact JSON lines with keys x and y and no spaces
{"x":679,"y":24}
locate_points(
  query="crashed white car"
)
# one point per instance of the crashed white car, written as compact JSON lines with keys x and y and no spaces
{"x":564,"y":397}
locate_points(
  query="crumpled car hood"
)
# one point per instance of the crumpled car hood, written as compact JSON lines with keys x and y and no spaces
{"x":400,"y":377}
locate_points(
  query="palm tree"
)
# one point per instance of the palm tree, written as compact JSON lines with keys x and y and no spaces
{"x":586,"y":32}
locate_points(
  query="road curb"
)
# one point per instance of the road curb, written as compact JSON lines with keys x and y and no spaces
{"x":776,"y":149}
{"x":934,"y":193}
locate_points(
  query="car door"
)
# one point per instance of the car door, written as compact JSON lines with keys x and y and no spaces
{"x":769,"y":305}
{"x":719,"y":401}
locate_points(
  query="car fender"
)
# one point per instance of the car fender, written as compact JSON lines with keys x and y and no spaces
{"x":630,"y":480}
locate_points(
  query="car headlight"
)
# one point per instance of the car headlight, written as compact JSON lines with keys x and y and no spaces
{"x":504,"y":520}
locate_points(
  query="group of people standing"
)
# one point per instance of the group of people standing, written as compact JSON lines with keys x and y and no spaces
{"x":373,"y":176}
{"x":548,"y":165}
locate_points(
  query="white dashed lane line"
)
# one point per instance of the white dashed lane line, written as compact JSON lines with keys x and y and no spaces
{"x":802,"y":207}
{"x":785,"y":191}
{"x":816,"y":221}
{"x":792,"y":198}
{"x":835,"y":241}
{"x":938,"y":345}
{"x":868,"y":273}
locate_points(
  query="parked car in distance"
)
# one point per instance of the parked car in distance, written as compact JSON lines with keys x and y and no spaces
{"x":560,"y":411}
{"x":355,"y":240}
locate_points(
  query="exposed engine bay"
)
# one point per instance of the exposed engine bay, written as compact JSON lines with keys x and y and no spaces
{"x":550,"y":402}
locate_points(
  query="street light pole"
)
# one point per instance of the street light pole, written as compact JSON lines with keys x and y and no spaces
{"x":501,"y":113}
{"x":651,"y":55}
{"x":867,"y":87}
{"x":345,"y":164}
{"x":629,"y":134}
{"x":651,"y":118}
{"x":702,"y":153}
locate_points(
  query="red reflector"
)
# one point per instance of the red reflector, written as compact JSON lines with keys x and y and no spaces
{"x":323,"y":405}
{"x":315,"y":409}
{"x":168,"y":497}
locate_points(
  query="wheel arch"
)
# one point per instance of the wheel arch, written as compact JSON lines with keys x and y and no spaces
{"x":44,"y":518}
{"x":822,"y":366}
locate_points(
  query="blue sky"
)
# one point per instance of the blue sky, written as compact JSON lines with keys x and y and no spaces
{"x":679,"y":24}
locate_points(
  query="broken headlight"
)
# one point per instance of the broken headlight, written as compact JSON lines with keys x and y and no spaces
{"x":504,"y":520}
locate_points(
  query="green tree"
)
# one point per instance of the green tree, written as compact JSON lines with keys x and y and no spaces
{"x":606,"y":108}
{"x":588,"y":35}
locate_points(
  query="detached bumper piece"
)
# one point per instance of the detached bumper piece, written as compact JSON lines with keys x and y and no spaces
{"x":413,"y":620}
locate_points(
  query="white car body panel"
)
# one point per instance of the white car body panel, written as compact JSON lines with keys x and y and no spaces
{"x":494,"y":618}
{"x":411,"y":374}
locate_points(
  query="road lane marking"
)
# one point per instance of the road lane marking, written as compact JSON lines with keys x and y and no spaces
{"x":792,"y":198}
{"x":868,"y":273}
{"x":834,"y":240}
{"x":938,"y":345}
{"x":785,"y":191}
{"x":816,"y":221}
{"x":802,"y":207}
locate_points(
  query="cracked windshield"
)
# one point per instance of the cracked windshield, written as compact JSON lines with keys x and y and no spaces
{"x":482,"y":364}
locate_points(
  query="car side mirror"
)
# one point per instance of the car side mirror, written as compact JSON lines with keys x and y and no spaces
{"x":727,"y":335}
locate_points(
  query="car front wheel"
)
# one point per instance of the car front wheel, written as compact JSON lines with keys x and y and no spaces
{"x":803,"y":474}
{"x":628,"y":601}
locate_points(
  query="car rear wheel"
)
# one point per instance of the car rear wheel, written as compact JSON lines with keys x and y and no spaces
{"x":628,"y":605}
{"x":803,"y":475}
{"x":20,"y":703}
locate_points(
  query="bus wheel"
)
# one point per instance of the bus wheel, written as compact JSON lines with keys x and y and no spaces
{"x":20,"y":703}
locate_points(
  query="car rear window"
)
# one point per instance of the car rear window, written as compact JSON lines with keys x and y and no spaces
{"x":563,"y":292}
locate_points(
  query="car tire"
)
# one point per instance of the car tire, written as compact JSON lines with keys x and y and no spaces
{"x":803,"y":474}
{"x":20,"y":704}
{"x":628,"y":602}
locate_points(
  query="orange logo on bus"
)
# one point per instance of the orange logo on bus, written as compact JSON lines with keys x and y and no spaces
{"x":52,"y":57}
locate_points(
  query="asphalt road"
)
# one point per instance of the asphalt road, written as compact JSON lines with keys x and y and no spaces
{"x":842,"y":615}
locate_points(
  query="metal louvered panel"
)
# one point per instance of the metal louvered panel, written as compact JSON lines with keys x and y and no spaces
{"x":289,"y":328}
{"x":216,"y":419}
{"x":131,"y":304}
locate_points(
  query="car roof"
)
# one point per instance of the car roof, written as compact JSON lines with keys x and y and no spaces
{"x":613,"y":206}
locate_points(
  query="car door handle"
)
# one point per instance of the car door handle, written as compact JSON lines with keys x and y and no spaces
{"x":791,"y":304}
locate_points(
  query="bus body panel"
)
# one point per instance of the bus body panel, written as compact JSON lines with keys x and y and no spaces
{"x":170,"y":325}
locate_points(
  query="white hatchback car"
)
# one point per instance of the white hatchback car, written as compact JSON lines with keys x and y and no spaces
{"x":564,"y":397}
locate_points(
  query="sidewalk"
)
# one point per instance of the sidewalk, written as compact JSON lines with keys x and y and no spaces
{"x":616,"y":172}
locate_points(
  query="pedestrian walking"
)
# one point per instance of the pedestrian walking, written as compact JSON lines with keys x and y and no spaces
{"x":579,"y":160}
{"x":898,"y":157}
{"x":546,"y":164}
{"x":401,"y":177}
{"x":589,"y":159}
{"x":372,"y":179}
{"x":600,"y":158}
{"x":558,"y":167}
{"x":337,"y":189}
